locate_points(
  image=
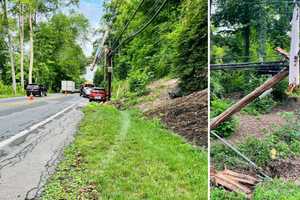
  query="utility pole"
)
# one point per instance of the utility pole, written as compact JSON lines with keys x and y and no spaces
{"x":252,"y":96}
{"x":109,"y":71}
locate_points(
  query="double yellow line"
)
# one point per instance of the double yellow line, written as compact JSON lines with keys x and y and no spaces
{"x":28,"y":102}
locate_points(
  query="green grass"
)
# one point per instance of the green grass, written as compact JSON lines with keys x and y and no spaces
{"x":222,"y":194}
{"x":277,"y":190}
{"x":121,"y":155}
{"x":9,"y":96}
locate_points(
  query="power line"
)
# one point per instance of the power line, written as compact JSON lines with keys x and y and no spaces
{"x":143,"y":27}
{"x":128,"y":22}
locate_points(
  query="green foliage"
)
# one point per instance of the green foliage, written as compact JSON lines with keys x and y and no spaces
{"x":99,"y":78}
{"x":221,"y":194}
{"x":227,"y":128}
{"x":7,"y":90}
{"x":277,"y":190}
{"x":174,"y":43}
{"x":260,"y":106}
{"x":248,"y":31}
{"x":137,"y":82}
{"x":285,"y":140}
{"x":192,"y":50}
{"x":112,"y":144}
{"x":57,"y":54}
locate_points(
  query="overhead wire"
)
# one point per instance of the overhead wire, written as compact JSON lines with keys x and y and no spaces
{"x":144,"y":26}
{"x":128,"y":22}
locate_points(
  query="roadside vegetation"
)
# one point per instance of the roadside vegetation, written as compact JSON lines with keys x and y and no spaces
{"x":122,"y":155}
{"x":52,"y":40}
{"x":173,"y":45}
{"x":249,"y":31}
{"x":270,"y":190}
{"x":8,"y":91}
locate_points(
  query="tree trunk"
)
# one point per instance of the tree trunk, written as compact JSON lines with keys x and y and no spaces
{"x":21,"y":27}
{"x":246,"y":35}
{"x":31,"y":48}
{"x":10,"y":47}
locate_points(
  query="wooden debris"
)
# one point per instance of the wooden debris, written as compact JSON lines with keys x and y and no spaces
{"x":234,"y":181}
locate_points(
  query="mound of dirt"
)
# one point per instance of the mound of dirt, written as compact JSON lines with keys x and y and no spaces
{"x":287,"y":169}
{"x":186,"y":116}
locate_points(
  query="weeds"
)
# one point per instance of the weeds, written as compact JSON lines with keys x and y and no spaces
{"x":227,"y":128}
{"x":147,"y":163}
{"x":277,"y":190}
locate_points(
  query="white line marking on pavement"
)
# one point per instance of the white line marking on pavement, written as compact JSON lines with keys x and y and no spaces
{"x":26,"y":131}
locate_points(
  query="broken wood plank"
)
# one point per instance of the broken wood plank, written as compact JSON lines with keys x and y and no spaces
{"x":233,"y":181}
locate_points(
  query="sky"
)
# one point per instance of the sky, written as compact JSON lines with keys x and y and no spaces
{"x":93,"y":11}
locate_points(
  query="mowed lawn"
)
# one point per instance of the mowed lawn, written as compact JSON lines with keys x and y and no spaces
{"x":122,"y":155}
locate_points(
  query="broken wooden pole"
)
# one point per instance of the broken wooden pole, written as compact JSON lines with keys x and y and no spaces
{"x":253,"y":95}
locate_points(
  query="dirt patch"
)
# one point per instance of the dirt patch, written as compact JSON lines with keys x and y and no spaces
{"x":160,"y":93}
{"x":186,"y":116}
{"x":287,"y":169}
{"x":257,"y":126}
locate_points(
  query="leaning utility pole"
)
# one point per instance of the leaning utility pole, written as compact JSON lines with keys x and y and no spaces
{"x":252,"y":96}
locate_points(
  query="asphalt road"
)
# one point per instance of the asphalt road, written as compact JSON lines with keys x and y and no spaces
{"x":17,"y":114}
{"x":27,"y":162}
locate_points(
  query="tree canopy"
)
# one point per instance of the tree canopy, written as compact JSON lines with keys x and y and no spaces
{"x":174,"y":43}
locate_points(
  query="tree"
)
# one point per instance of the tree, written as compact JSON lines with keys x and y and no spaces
{"x":10,"y":46}
{"x":21,"y":34}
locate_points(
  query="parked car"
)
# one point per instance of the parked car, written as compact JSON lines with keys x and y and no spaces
{"x":36,"y":90}
{"x":85,"y":90}
{"x":98,"y":94}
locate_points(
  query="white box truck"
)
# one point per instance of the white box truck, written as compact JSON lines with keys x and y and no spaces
{"x":67,"y":86}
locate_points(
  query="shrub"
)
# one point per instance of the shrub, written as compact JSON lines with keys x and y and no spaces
{"x":227,"y":128}
{"x":7,"y":90}
{"x":257,"y":150}
{"x":290,"y":131}
{"x":137,"y":82}
{"x":222,"y":156}
{"x":277,"y":190}
{"x":260,"y":106}
{"x":221,"y":194}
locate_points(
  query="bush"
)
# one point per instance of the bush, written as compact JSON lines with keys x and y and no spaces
{"x":277,"y":190}
{"x":221,"y":194}
{"x":257,"y":150}
{"x":137,"y":82}
{"x":7,"y":90}
{"x":227,"y":128}
{"x":290,"y":131}
{"x":260,"y":106}
{"x":222,"y":156}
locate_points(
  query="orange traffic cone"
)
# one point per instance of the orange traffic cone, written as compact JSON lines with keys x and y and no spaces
{"x":30,"y":97}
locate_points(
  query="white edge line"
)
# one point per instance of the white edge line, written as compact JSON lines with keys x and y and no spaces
{"x":32,"y":128}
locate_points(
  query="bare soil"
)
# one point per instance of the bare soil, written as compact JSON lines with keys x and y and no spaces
{"x":159,"y":90}
{"x":256,"y":126}
{"x":186,"y":116}
{"x":287,"y":169}
{"x":259,"y":126}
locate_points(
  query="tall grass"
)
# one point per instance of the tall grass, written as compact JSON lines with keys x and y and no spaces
{"x":7,"y":90}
